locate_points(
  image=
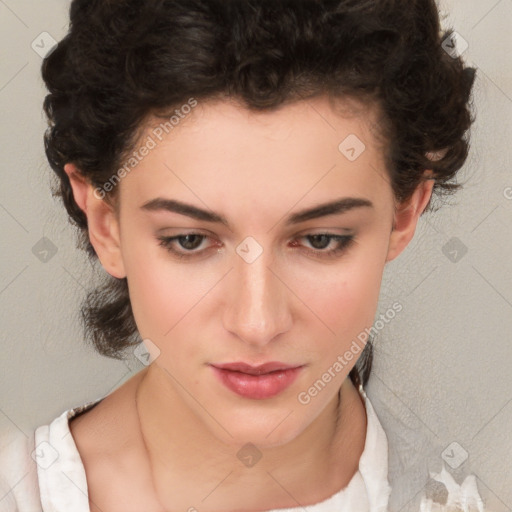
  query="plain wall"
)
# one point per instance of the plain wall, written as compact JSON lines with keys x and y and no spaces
{"x":442,"y":366}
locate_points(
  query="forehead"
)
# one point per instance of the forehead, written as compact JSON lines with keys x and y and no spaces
{"x":221,"y":154}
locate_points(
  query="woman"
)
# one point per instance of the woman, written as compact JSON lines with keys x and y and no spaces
{"x":297,"y":144}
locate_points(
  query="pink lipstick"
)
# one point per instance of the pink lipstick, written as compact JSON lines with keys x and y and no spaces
{"x":256,"y":382}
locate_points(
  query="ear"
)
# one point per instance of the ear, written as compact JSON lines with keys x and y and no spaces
{"x":406,"y":217}
{"x":102,"y":222}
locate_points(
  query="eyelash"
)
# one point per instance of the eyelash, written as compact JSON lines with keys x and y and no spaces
{"x":344,"y":242}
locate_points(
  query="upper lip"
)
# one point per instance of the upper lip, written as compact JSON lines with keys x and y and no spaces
{"x":255,"y":370}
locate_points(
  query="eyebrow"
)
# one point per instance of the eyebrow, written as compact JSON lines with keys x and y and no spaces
{"x":336,"y":207}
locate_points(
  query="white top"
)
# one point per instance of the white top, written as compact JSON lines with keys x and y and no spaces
{"x":57,"y":482}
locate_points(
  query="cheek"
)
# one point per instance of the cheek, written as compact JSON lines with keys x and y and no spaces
{"x":161,"y":293}
{"x":345,"y":297}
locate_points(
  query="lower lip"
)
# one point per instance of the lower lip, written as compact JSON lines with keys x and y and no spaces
{"x":257,"y":387}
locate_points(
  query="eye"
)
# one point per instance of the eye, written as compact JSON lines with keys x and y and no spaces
{"x":187,"y":241}
{"x":320,"y":241}
{"x":185,"y":245}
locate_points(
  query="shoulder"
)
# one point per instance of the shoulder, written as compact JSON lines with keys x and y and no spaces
{"x":98,"y":432}
{"x":31,"y":464}
{"x":107,"y":439}
{"x":19,"y":490}
{"x":374,"y":464}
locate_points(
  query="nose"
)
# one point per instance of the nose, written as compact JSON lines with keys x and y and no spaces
{"x":257,"y":304}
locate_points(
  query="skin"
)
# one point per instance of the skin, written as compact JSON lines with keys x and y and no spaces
{"x":290,"y":305}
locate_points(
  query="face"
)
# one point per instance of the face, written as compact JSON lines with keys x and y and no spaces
{"x":243,"y":273}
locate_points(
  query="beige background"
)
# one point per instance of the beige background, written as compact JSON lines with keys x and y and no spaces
{"x":442,"y":371}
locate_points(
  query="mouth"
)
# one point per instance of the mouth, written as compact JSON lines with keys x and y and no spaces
{"x":256,"y":382}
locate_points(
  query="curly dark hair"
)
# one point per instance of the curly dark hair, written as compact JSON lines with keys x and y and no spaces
{"x":124,"y":61}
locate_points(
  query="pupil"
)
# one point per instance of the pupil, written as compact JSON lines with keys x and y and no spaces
{"x":323,"y":238}
{"x":187,"y":244}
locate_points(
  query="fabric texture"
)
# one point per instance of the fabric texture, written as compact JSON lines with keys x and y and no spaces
{"x":57,"y":481}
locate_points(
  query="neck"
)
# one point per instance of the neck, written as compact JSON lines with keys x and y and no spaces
{"x":185,"y":455}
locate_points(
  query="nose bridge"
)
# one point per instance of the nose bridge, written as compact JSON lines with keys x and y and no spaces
{"x":258,"y":309}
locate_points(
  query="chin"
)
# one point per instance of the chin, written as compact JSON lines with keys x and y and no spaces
{"x":262,"y":429}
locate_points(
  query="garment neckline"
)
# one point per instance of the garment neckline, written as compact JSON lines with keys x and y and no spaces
{"x":66,"y":476}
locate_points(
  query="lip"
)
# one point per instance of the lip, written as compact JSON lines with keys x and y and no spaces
{"x":250,"y":369}
{"x":256,"y":382}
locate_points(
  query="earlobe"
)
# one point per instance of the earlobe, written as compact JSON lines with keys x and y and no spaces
{"x":406,"y":218}
{"x":102,"y":222}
